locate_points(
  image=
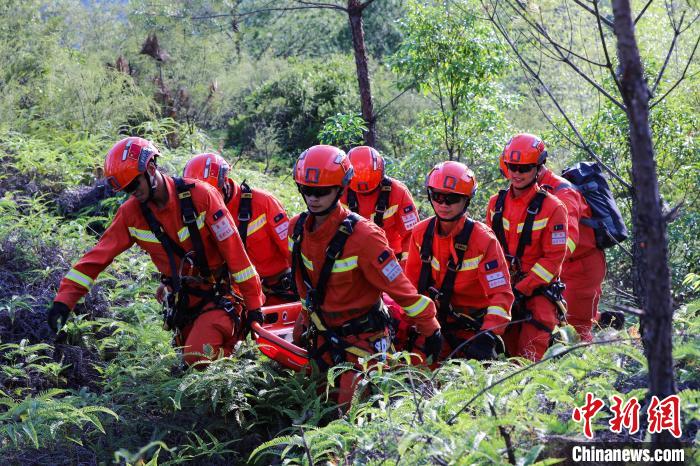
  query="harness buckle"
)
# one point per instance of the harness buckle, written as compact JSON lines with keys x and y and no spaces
{"x":244,"y":219}
{"x":184,"y":194}
{"x":533,"y":212}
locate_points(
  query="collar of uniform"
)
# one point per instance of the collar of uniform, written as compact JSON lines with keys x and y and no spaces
{"x":329,"y":227}
{"x":547,"y":177}
{"x":455,"y":230}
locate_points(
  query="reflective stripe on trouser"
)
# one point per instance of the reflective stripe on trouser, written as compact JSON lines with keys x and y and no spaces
{"x":211,"y":333}
{"x":527,"y":340}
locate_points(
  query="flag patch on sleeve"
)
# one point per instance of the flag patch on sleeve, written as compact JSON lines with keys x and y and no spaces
{"x":407,"y":209}
{"x":278,"y":217}
{"x":391,"y":270}
{"x":383,"y":256}
{"x":219,"y":213}
{"x":559,"y":227}
{"x":491,"y":265}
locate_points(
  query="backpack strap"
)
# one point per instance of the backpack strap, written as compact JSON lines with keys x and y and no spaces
{"x":497,"y":220}
{"x":426,"y":256}
{"x":245,"y":211}
{"x":382,"y":201}
{"x":353,"y":205}
{"x":189,"y":217}
{"x":448,"y":283}
{"x":533,"y":209}
{"x":333,"y":252}
{"x":297,"y":236}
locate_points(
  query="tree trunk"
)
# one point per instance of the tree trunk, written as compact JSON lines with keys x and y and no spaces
{"x":355,"y":8}
{"x":648,"y":219}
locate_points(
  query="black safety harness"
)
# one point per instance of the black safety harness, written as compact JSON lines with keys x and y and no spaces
{"x":214,"y":286}
{"x":552,"y":291}
{"x":382,"y":201}
{"x":474,"y":319}
{"x":245,"y":211}
{"x":334,"y":338}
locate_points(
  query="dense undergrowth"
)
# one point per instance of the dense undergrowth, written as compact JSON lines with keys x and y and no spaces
{"x":111,"y":388}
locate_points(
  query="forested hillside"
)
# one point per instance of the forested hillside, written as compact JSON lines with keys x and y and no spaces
{"x":260,"y":82}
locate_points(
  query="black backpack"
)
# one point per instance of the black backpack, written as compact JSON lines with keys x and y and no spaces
{"x":607,"y":221}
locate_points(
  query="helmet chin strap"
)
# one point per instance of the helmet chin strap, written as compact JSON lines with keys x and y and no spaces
{"x":534,"y":180}
{"x":152,"y":186}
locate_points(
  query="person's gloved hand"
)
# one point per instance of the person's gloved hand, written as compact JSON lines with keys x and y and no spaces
{"x":57,"y":312}
{"x":254,"y":315}
{"x":612,"y":319}
{"x":433,"y":346}
{"x":482,"y":348}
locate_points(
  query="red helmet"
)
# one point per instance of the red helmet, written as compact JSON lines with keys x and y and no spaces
{"x":452,"y":177}
{"x":208,"y":167}
{"x":127,"y":159}
{"x":323,"y":166}
{"x":523,"y":149}
{"x":368,"y":166}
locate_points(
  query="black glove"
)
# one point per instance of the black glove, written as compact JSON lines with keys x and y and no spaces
{"x":433,"y":346}
{"x":254,"y":315}
{"x":482,"y":348}
{"x":612,"y":319}
{"x":57,"y":311}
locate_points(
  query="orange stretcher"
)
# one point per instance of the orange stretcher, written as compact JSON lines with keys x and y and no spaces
{"x":274,"y":336}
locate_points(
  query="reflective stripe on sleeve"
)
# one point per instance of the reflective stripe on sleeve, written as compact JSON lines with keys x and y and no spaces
{"x":80,"y":278}
{"x":243,"y":275}
{"x":536,"y":225}
{"x":257,"y":224}
{"x":417,"y":307}
{"x":571,"y":245}
{"x":498,"y":311}
{"x":184,"y":232}
{"x":542,"y":272}
{"x":471,"y":263}
{"x":143,"y":235}
{"x":343,"y":265}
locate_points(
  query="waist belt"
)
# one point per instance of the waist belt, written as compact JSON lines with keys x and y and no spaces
{"x":373,"y":320}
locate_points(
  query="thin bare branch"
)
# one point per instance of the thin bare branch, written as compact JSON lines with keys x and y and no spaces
{"x":608,"y":62}
{"x":685,"y":70}
{"x":535,"y":75}
{"x":591,"y":11}
{"x":563,"y":58}
{"x":641,"y":13}
{"x":329,"y":6}
{"x":676,"y":33}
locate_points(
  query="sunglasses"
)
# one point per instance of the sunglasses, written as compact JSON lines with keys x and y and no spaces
{"x":517,"y":168}
{"x":446,"y":198}
{"x":316,"y":191}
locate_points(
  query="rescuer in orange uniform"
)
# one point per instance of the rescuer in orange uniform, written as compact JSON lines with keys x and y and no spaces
{"x":381,"y":199}
{"x":191,"y":237}
{"x":531,"y":226}
{"x":460,"y":264}
{"x":261,"y":221}
{"x":342,"y":263}
{"x":584,"y":266}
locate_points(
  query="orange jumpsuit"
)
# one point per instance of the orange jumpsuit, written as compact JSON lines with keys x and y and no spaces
{"x":266,"y":243}
{"x":366,"y":268}
{"x":540,"y":265}
{"x":222,"y":245}
{"x":584,"y":267}
{"x":400,"y":216}
{"x":482,"y":282}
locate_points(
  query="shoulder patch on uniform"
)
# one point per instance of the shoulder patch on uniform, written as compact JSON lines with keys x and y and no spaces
{"x":491,"y":265}
{"x":408,"y":209}
{"x":391,"y":270}
{"x":223,"y":229}
{"x":383,"y":256}
{"x":218,"y":214}
{"x":278,"y":217}
{"x":558,"y":227}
